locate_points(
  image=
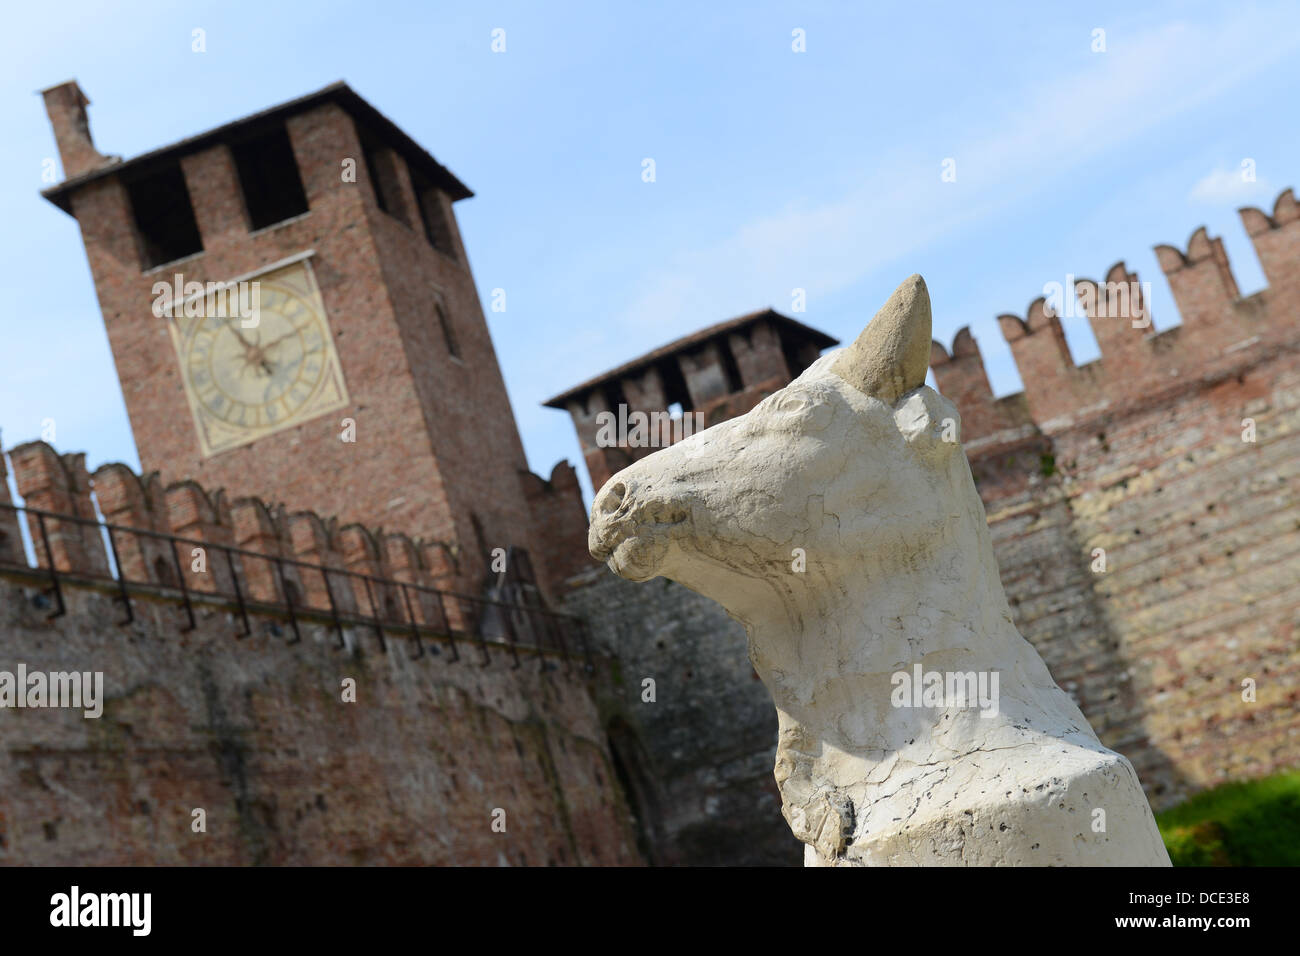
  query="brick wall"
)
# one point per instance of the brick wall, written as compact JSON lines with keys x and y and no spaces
{"x":254,"y":729}
{"x":466,"y":412}
{"x":560,"y":523}
{"x":697,"y":761}
{"x":1141,"y":455}
{"x":425,"y":420}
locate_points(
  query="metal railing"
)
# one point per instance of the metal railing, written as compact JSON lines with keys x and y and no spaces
{"x":273,"y":585}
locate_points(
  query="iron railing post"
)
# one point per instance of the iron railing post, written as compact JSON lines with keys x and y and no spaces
{"x":446,"y":626}
{"x":482,"y":641}
{"x":510,"y":635}
{"x":185,"y":591}
{"x":60,"y":607}
{"x":288,"y":600}
{"x":374,"y":614}
{"x":123,"y":593}
{"x":239,"y":592}
{"x":415,"y":628}
{"x":334,"y":608}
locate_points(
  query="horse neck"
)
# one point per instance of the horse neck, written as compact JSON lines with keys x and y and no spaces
{"x":841,"y":641}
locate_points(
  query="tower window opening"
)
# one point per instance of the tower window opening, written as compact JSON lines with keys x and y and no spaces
{"x":381,"y":166}
{"x":480,"y":539}
{"x":372,"y":169}
{"x":268,"y":176}
{"x":675,"y":391}
{"x":433,"y":214}
{"x":448,"y":333}
{"x":164,"y":217}
{"x":730,"y":370}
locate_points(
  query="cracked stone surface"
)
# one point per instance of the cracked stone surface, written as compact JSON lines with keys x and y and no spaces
{"x":839,"y":524}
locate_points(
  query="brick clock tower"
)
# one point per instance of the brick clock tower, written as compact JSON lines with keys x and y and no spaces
{"x":369,"y":326}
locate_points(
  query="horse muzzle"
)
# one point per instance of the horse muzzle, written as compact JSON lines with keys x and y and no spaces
{"x":632,"y":527}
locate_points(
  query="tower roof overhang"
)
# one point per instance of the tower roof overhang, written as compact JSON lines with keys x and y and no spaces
{"x":339,"y":93}
{"x":693,"y":341}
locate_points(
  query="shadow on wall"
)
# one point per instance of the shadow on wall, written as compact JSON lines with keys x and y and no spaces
{"x":1043,"y":562}
{"x":1117,"y":711}
{"x":696,"y":759}
{"x":630,"y":766}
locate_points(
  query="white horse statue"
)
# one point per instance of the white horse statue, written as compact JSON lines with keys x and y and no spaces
{"x":839,"y":523}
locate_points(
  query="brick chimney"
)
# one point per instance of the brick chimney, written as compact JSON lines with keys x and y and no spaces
{"x":66,"y":106}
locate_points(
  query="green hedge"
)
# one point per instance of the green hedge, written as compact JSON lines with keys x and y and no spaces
{"x":1253,"y":823}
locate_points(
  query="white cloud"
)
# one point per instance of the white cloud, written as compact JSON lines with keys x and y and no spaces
{"x":1225,"y":186}
{"x":1001,"y":159}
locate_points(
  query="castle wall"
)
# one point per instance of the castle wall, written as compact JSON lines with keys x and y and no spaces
{"x":254,"y":728}
{"x":1145,"y":458}
{"x":1202,"y":537}
{"x":698,"y":760}
{"x":559,"y":523}
{"x":255,"y":733}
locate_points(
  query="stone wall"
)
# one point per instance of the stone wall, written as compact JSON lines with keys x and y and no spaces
{"x":255,"y":729}
{"x":1174,"y":459}
{"x":255,"y":732}
{"x":1202,"y":538}
{"x":697,"y":761}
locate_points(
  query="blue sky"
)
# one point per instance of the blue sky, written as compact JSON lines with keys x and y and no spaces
{"x":775,"y":170}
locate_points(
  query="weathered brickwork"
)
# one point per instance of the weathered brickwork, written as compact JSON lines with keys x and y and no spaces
{"x":255,"y":733}
{"x":697,"y":760}
{"x":561,"y":520}
{"x":254,"y":728}
{"x":1176,"y":454}
{"x":437,"y":452}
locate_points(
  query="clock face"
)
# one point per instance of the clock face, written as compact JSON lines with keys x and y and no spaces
{"x":252,"y":374}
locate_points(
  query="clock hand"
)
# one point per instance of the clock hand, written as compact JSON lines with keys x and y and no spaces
{"x":243,"y":341}
{"x":252,"y":352}
{"x":286,"y":335}
{"x":248,"y":346}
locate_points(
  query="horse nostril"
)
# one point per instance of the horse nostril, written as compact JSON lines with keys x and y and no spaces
{"x":612,"y":498}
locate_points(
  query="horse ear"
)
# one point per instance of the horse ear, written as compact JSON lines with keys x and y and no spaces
{"x":892,"y":355}
{"x":930,"y":424}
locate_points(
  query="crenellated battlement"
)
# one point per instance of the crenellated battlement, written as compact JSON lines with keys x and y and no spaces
{"x":188,"y":543}
{"x":48,"y":481}
{"x":560,"y":523}
{"x":1274,"y":239}
{"x":961,"y":376}
{"x":1221,"y":334}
